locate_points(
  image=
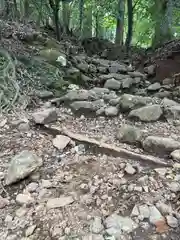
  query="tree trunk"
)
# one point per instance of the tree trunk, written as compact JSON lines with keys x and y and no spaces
{"x":66,"y":16}
{"x":87,"y":24}
{"x":120,"y":23}
{"x":56,"y":20}
{"x":16,"y":12}
{"x":55,"y":7}
{"x":130,"y":25}
{"x":8,"y":10}
{"x":98,"y":27}
{"x":26,"y":10}
{"x":163,"y":22}
{"x":81,"y":10}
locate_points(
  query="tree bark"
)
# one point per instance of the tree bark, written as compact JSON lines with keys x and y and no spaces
{"x":163,"y":22}
{"x":66,"y":16}
{"x":81,"y":11}
{"x":55,"y":7}
{"x":87,"y":23}
{"x":130,"y":25}
{"x":120,"y":23}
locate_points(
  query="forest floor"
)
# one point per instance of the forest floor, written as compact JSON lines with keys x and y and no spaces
{"x":93,"y":164}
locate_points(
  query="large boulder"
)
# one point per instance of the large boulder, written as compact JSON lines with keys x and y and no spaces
{"x":147,"y":114}
{"x":78,"y":95}
{"x":53,"y":56}
{"x":112,"y":84}
{"x":129,"y":134}
{"x":86,"y":107}
{"x":21,"y":166}
{"x":45,"y":116}
{"x":129,"y":102}
{"x":160,"y":145}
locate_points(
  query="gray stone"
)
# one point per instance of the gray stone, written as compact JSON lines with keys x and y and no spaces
{"x":100,"y":111}
{"x":82,"y":106}
{"x":30,"y":230}
{"x":59,"y":202}
{"x":174,"y":187}
{"x":111,"y":111}
{"x":93,"y":237}
{"x":120,"y":223}
{"x":98,"y":104}
{"x":150,"y":70}
{"x":154,"y":87}
{"x":144,"y":211}
{"x":99,"y":91}
{"x":176,"y":155}
{"x":114,"y":101}
{"x":61,"y":141}
{"x":147,"y":114}
{"x":84,"y":67}
{"x":166,"y":103}
{"x":96,"y":225}
{"x":136,"y":74}
{"x":79,"y":95}
{"x":24,"y":199}
{"x":129,"y":134}
{"x":32,"y":187}
{"x":155,"y":216}
{"x":24,"y":127}
{"x":108,"y":97}
{"x":129,"y":169}
{"x":173,"y":112}
{"x":20,"y":212}
{"x":22,"y":165}
{"x":167,"y":81}
{"x":172,"y":221}
{"x":116,"y":67}
{"x":44,"y":94}
{"x":156,"y":144}
{"x":3,"y":202}
{"x":129,"y":102}
{"x":127,"y":83}
{"x":135,"y":211}
{"x":45,"y":116}
{"x":164,"y":208}
{"x":46,"y":183}
{"x":162,"y":94}
{"x":112,"y":84}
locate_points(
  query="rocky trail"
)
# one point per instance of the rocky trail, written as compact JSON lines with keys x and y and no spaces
{"x":99,"y":161}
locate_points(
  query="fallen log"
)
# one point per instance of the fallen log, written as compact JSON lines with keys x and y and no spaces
{"x":112,"y":149}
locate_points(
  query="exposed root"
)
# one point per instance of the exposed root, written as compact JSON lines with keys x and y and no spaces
{"x":112,"y":149}
{"x":9,"y":88}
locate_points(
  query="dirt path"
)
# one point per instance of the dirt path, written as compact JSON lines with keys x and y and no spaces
{"x":80,"y":194}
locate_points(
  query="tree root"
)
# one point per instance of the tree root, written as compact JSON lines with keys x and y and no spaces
{"x":9,"y":88}
{"x":111,"y":149}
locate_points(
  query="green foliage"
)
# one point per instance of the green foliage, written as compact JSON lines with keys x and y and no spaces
{"x":146,"y":15}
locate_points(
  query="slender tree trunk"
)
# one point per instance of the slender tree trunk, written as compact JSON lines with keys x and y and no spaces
{"x":16,"y":12}
{"x":81,"y":10}
{"x":26,"y":10}
{"x":66,"y":16}
{"x":163,"y":22}
{"x":55,"y":7}
{"x":98,"y":27}
{"x":56,"y":20}
{"x":130,"y":25}
{"x":120,"y":22}
{"x":8,"y":10}
{"x":87,"y":23}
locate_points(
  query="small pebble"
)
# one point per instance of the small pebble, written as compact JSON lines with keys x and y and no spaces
{"x":30,"y":230}
{"x":129,"y":169}
{"x":172,"y":221}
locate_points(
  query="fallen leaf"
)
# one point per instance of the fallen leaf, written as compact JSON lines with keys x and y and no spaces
{"x":161,"y":226}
